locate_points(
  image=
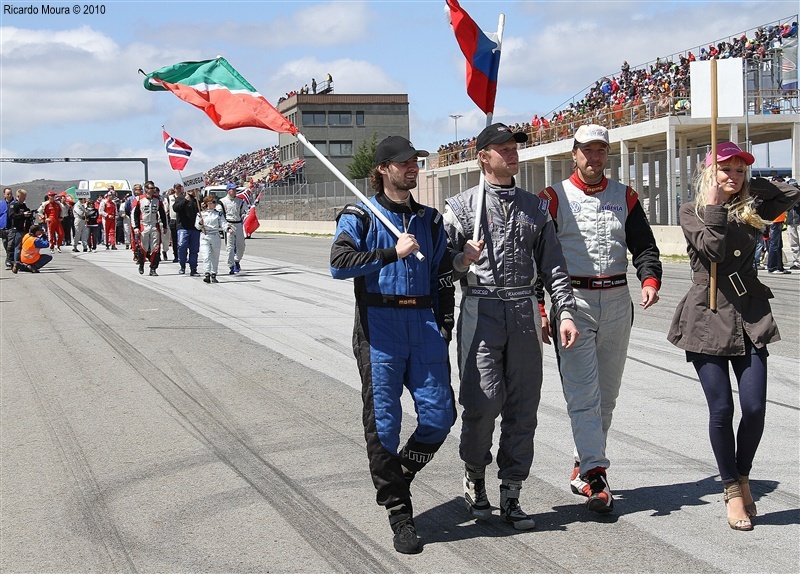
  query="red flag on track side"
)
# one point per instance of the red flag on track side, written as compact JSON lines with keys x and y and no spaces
{"x":251,"y":222}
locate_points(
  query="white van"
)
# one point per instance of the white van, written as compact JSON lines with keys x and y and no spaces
{"x":218,"y":191}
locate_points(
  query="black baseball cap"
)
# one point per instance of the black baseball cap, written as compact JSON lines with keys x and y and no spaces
{"x":397,"y":148}
{"x":497,"y":134}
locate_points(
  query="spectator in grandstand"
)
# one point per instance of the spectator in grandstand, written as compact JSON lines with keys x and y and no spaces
{"x":29,"y":257}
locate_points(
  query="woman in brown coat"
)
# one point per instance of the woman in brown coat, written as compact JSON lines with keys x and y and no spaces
{"x":722,"y":226}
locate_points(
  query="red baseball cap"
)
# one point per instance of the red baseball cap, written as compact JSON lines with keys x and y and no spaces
{"x":727,"y":150}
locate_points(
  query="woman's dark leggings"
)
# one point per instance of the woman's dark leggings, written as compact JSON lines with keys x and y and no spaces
{"x":734,"y":456}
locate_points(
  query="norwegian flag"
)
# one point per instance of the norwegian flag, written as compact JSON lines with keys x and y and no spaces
{"x":246,"y":196}
{"x":177,"y":151}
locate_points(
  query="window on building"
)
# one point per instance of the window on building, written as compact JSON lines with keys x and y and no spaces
{"x":359,"y":118}
{"x":340,"y":148}
{"x":313,"y":118}
{"x":322,"y":146}
{"x":340,"y":119}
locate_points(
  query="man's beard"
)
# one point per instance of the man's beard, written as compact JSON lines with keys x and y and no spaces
{"x":400,"y":183}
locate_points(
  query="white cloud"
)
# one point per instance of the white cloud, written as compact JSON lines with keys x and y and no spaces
{"x":329,"y":24}
{"x":72,"y":76}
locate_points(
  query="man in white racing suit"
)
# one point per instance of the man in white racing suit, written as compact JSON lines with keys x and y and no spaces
{"x":598,"y":221}
{"x":149,"y":222}
{"x":235,"y":210}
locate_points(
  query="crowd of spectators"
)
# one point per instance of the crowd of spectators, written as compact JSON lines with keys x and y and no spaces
{"x":633,"y":95}
{"x":261,"y":168}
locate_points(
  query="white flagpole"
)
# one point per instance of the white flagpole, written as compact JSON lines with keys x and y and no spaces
{"x":476,"y":231}
{"x":389,"y":225}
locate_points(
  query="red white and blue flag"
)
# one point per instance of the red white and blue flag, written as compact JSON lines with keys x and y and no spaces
{"x":246,"y":196}
{"x":482,"y":52}
{"x":251,"y":222}
{"x":177,"y":151}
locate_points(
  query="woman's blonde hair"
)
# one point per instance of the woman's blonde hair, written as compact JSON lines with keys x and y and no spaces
{"x":740,"y":206}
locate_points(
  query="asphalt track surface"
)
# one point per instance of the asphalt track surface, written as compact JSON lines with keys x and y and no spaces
{"x":160,"y":424}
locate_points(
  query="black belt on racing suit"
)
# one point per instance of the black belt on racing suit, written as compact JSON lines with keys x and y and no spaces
{"x":608,"y":282}
{"x":502,"y":293}
{"x":399,"y":301}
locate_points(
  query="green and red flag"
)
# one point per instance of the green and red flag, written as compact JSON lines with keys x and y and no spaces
{"x":221,"y":92}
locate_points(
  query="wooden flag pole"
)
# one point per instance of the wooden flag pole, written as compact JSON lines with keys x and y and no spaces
{"x":712,"y":275}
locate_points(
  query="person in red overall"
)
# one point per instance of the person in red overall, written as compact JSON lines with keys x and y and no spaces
{"x":52,"y":215}
{"x":110,"y":221}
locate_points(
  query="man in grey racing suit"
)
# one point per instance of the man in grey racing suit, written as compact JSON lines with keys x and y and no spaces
{"x":499,"y":349}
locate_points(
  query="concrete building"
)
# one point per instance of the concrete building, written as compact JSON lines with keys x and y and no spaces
{"x":337,"y":125}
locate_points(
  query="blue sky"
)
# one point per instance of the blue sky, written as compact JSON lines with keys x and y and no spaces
{"x":70,"y":88}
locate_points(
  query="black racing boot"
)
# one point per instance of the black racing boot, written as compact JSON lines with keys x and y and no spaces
{"x":401,"y":520}
{"x":475,"y":492}
{"x":510,"y":510}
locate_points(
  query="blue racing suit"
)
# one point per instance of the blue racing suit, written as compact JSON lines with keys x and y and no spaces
{"x":400,"y":335}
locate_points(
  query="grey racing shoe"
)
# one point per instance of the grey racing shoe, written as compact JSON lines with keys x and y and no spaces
{"x":475,"y":492}
{"x":401,"y":520}
{"x":510,"y":510}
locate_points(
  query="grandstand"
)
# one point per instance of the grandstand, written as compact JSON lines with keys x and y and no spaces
{"x":661,"y":88}
{"x":655,"y":143}
{"x":261,"y":169}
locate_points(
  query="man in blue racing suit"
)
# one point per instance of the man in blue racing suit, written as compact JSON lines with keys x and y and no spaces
{"x":404,"y":315}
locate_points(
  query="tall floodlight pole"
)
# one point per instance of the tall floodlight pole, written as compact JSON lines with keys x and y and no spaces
{"x":455,"y":121}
